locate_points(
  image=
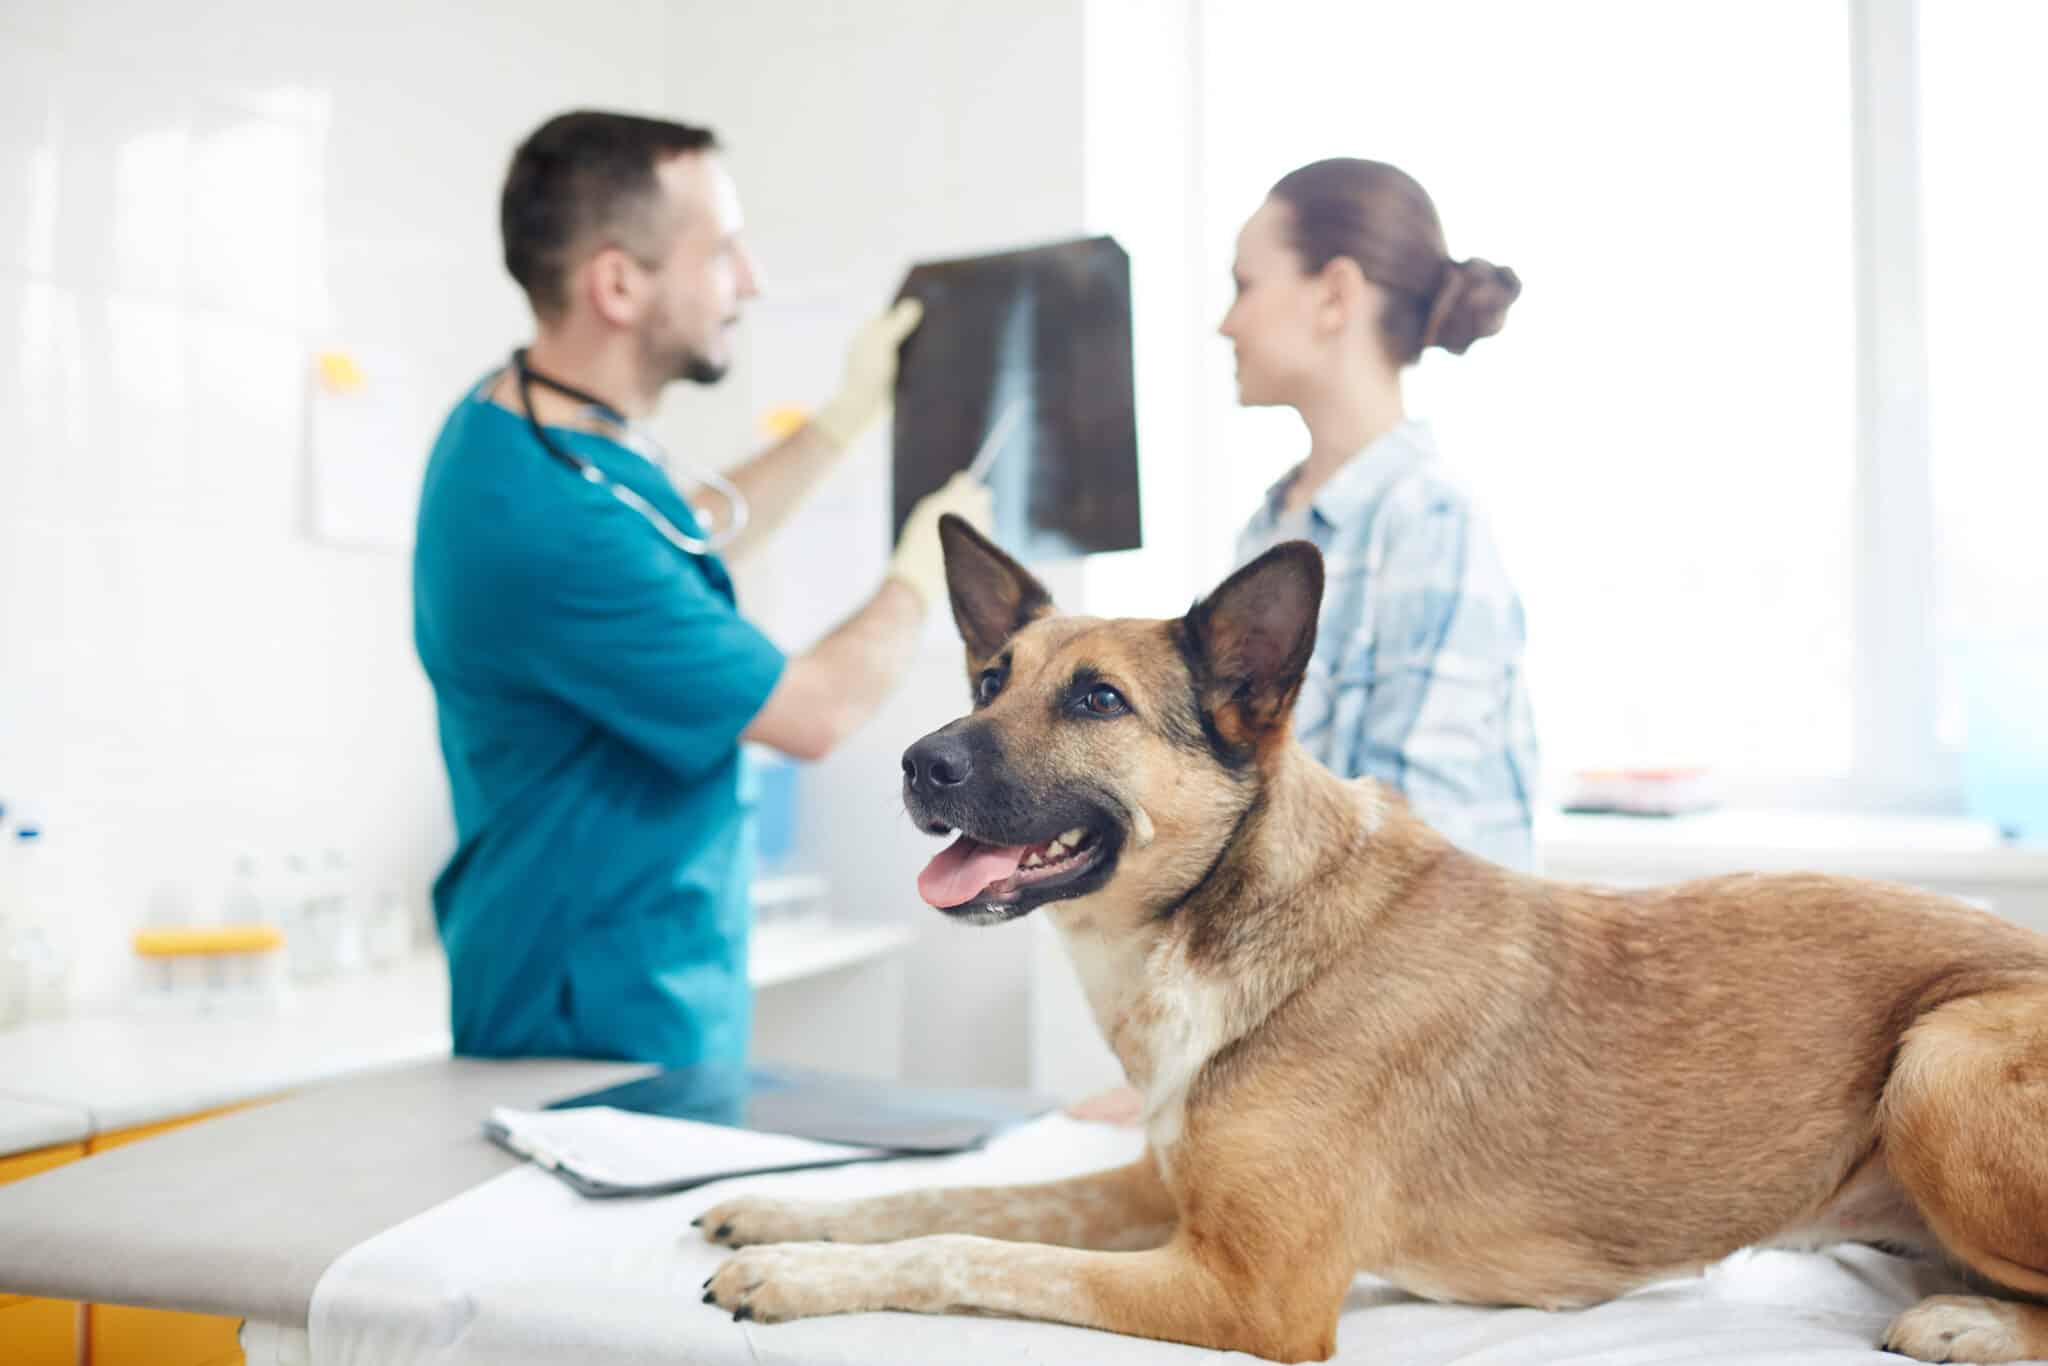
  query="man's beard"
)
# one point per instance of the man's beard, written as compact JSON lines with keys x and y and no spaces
{"x":669,"y":363}
{"x":698,"y":370}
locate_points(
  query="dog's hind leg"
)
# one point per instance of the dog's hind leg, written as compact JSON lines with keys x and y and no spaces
{"x":1174,"y":1293}
{"x":1124,"y":1209}
{"x":1965,"y":1132}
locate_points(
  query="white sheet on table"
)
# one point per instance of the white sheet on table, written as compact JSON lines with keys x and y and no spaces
{"x":522,"y":1271}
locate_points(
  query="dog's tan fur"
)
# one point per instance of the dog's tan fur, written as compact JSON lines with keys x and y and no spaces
{"x":1363,"y":1050}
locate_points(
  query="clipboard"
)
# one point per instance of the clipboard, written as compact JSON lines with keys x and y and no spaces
{"x":726,"y":1121}
{"x":604,"y":1153}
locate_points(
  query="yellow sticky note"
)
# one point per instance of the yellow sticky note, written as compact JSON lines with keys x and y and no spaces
{"x":783,"y":420}
{"x":338,"y":372}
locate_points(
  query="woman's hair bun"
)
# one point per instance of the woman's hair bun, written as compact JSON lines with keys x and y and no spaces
{"x":1471,"y":302}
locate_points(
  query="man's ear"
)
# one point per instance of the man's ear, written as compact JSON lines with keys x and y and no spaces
{"x":993,"y":596}
{"x":1250,"y":640}
{"x":614,"y":286}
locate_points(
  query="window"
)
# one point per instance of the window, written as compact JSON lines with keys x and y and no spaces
{"x":1985,"y":217}
{"x":1665,"y":432}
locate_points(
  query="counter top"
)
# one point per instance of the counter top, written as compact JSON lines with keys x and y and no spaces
{"x":30,"y":1124}
{"x":144,"y":1065}
{"x":121,"y":1069}
{"x":241,"y":1215}
{"x":1899,"y":848}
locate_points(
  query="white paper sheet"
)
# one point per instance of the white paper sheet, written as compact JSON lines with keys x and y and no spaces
{"x":521,"y":1271}
{"x":367,"y":449}
{"x":622,"y":1148}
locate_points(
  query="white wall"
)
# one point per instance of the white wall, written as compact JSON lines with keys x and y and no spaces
{"x":1143,"y":185}
{"x":190,"y":206}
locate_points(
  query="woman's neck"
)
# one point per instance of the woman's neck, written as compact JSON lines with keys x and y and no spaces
{"x":1342,"y":422}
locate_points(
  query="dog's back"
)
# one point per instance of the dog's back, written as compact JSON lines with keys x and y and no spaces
{"x":1491,"y":1051}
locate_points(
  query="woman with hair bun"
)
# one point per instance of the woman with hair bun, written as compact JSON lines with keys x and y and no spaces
{"x":1342,"y":283}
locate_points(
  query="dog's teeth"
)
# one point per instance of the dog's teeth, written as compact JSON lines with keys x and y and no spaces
{"x":1056,"y":847}
{"x":1073,"y":836}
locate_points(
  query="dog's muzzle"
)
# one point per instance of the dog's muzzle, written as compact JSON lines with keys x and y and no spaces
{"x":936,"y":765}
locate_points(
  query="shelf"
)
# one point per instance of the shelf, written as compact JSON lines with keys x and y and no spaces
{"x":807,"y":947}
{"x":782,"y":888}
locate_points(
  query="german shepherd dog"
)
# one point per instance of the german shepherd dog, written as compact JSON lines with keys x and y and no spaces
{"x":1361,"y":1050}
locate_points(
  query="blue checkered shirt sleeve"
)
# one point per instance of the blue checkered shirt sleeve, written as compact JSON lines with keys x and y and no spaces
{"x":1417,"y":675}
{"x":1442,"y":715}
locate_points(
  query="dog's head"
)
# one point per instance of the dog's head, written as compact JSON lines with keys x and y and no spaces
{"x":1101,"y":755}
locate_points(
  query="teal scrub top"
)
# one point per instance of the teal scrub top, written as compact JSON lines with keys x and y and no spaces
{"x":591,"y":683}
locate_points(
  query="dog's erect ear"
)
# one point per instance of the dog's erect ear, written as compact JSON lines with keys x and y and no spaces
{"x":1250,"y":641}
{"x":993,"y":596}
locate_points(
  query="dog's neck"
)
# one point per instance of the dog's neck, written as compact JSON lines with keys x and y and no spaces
{"x":1171,"y":985}
{"x":1298,"y":821}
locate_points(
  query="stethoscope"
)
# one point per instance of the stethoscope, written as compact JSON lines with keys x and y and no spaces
{"x":637,"y":441}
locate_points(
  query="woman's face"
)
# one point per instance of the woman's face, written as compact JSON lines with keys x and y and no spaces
{"x":1273,"y":321}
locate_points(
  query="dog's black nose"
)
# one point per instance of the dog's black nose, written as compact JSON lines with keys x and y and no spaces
{"x":936,"y":763}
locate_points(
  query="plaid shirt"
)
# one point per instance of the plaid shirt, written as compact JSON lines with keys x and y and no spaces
{"x":1417,"y":674}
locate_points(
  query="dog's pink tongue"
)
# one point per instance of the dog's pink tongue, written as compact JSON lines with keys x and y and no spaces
{"x":965,"y":868}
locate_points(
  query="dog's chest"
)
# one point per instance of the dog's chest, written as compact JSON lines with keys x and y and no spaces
{"x":1186,"y":1030}
{"x":1162,"y":1019}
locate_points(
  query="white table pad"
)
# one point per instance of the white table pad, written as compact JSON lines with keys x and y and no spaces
{"x":521,"y":1271}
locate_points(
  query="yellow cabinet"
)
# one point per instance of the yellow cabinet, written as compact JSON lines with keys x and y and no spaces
{"x":40,"y":1160}
{"x":121,"y":1336}
{"x":39,"y":1332}
{"x":99,"y":1143}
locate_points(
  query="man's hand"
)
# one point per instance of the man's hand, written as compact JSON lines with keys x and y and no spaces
{"x":777,"y":480}
{"x":869,"y":384}
{"x":830,"y":689}
{"x":919,"y":559}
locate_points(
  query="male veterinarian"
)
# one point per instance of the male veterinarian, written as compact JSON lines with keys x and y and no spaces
{"x":592,"y":675}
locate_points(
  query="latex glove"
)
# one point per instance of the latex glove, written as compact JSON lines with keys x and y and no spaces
{"x":920,"y":561}
{"x":868,"y":385}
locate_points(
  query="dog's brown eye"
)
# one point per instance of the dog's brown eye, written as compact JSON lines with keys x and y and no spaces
{"x":987,"y":686}
{"x":1104,"y":700}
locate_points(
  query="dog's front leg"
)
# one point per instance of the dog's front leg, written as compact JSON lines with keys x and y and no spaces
{"x":1124,"y":1209}
{"x":1166,"y":1292}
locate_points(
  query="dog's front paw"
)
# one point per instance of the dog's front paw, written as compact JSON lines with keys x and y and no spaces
{"x":752,"y":1219}
{"x":792,"y":1281}
{"x":1958,"y":1328}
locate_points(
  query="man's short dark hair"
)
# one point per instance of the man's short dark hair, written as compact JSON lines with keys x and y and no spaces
{"x":582,"y":175}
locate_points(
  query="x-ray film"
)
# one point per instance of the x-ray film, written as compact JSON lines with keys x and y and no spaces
{"x":1022,"y":368}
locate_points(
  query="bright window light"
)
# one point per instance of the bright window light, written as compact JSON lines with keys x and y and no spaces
{"x":1664,"y":433}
